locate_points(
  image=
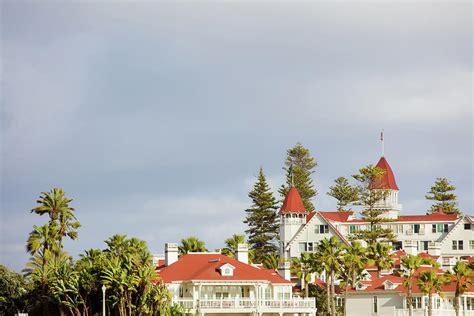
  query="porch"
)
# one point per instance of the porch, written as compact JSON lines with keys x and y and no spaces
{"x":302,"y":306}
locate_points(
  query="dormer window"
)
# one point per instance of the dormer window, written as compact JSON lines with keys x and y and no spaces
{"x":360,"y":286}
{"x":227,"y":270}
{"x":388,"y":285}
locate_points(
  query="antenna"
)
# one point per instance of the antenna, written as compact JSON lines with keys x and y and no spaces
{"x":381,"y":139}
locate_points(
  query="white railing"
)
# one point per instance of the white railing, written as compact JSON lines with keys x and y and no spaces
{"x":246,"y":304}
{"x":436,"y":312}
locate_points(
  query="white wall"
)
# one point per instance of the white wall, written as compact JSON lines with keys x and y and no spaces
{"x":362,"y":304}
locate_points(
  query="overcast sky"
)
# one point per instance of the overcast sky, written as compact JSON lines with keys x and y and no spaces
{"x":155,"y":117}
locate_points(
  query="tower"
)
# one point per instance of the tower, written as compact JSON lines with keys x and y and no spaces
{"x":292,"y":218}
{"x":390,"y":204}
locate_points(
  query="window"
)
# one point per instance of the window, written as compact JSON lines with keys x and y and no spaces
{"x":445,"y":228}
{"x":221,"y":295}
{"x":467,"y":226}
{"x":352,"y":229}
{"x":470,"y":303}
{"x":416,"y":228}
{"x":400,"y":228}
{"x":376,"y":305}
{"x":433,"y":230}
{"x":322,"y":229}
{"x":397,"y":245}
{"x":425,"y":245}
{"x":458,"y":245}
{"x":440,"y":228}
{"x":302,"y":247}
{"x":417,"y":302}
{"x":310,"y":247}
{"x":471,"y":244}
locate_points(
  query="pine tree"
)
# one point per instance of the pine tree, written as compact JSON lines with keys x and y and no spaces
{"x":299,"y":166}
{"x":441,"y":192}
{"x":368,"y":199}
{"x":262,"y":219}
{"x":344,"y":193}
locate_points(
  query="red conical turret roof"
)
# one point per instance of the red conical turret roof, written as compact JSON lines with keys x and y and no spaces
{"x":293,"y":202}
{"x":387,"y":180}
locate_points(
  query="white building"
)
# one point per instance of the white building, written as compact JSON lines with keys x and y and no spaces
{"x":447,"y":235}
{"x":386,"y":296}
{"x":214,"y":284}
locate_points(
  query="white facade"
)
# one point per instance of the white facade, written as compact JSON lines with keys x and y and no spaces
{"x":394,"y":304}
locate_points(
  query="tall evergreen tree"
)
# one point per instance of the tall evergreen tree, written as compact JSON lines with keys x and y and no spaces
{"x":344,"y":193}
{"x":368,"y":199}
{"x":262,"y":219}
{"x":299,"y":166}
{"x":441,"y":192}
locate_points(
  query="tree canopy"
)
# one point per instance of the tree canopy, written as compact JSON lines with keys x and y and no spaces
{"x":262,"y":219}
{"x":299,"y":166}
{"x":442,"y":193}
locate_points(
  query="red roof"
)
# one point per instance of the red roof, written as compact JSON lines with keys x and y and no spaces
{"x":310,"y":216}
{"x":336,"y":216}
{"x":376,"y":284}
{"x":293,"y":202}
{"x":206,"y":267}
{"x":346,"y":217}
{"x":438,"y":216}
{"x":387,"y":180}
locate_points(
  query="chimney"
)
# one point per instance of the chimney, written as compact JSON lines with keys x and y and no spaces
{"x":284,"y":270}
{"x":242,"y":253}
{"x":171,"y":253}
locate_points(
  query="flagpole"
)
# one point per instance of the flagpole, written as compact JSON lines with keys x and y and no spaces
{"x":383,"y":145}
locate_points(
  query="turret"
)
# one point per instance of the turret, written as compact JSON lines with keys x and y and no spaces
{"x":389,"y":204}
{"x":292,"y":217}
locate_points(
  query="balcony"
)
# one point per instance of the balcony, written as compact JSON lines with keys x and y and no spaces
{"x":248,"y":305}
{"x":436,"y":312}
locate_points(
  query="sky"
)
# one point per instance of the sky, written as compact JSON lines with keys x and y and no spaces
{"x":156,"y":116}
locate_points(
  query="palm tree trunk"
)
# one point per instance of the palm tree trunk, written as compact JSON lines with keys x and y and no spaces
{"x":306,"y":289}
{"x":333,"y":293}
{"x":457,"y":302}
{"x":410,"y":300}
{"x":328,"y":292}
{"x":430,"y":306}
{"x":345,"y":301}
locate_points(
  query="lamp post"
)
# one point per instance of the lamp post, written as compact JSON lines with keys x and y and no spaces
{"x":103,"y":300}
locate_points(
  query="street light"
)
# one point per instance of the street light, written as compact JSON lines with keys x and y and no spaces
{"x":103,"y":300}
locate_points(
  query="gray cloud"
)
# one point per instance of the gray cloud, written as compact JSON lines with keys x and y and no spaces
{"x":155,"y":117}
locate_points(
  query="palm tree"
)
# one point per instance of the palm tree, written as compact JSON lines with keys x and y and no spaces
{"x":191,"y":244}
{"x":271,"y":261}
{"x":329,"y":259}
{"x":302,"y":268}
{"x":42,"y":247}
{"x":354,"y":261}
{"x":462,"y":277}
{"x":428,"y":283}
{"x":410,"y":264}
{"x":231,"y":245}
{"x":56,"y":205}
{"x":64,"y":286}
{"x":379,"y":254}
